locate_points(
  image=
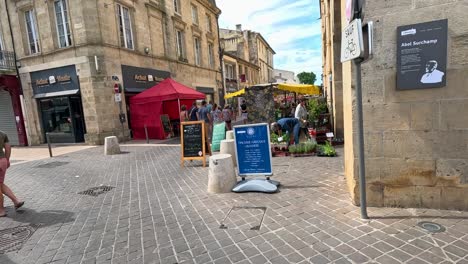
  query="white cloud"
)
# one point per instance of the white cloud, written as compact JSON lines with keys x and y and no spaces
{"x":285,"y":24}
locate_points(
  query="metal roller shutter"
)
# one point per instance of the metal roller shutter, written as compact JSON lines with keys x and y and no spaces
{"x":7,"y":118}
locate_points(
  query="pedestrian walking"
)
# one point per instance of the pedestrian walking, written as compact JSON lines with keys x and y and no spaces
{"x":5,"y":153}
{"x":193,"y":114}
{"x":183,"y":114}
{"x":244,"y":112}
{"x":204,"y":115}
{"x":227,"y":115}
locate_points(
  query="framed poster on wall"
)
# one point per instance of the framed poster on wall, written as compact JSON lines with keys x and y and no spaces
{"x":422,"y":55}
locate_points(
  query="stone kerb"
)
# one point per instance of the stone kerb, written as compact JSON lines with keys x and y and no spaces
{"x":221,"y":174}
{"x":111,"y":145}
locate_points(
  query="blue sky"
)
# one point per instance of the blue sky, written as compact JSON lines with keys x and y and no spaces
{"x":291,"y":27}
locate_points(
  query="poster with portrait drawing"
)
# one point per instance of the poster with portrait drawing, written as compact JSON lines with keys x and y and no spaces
{"x":422,"y":55}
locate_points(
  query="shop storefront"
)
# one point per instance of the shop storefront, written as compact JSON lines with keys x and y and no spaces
{"x":136,"y":80}
{"x":57,"y":92}
{"x":209,"y":92}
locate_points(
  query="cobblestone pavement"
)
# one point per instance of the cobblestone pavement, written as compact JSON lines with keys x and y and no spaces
{"x":159,"y":212}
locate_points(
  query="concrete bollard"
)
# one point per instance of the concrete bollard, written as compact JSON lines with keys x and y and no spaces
{"x":228,"y":147}
{"x":111,"y":145}
{"x":230,"y":134}
{"x":221,"y":174}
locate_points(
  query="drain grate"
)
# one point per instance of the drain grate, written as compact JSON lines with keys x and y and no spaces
{"x":244,"y":217}
{"x":95,"y":191}
{"x":431,"y":227}
{"x":12,"y":239}
{"x":53,"y":164}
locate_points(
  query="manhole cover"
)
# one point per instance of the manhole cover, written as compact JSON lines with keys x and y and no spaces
{"x":52,"y":164}
{"x":431,"y":227}
{"x":244,"y":217}
{"x":95,"y":191}
{"x":12,"y":239}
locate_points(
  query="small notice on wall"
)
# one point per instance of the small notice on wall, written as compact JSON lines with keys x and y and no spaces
{"x":422,"y":55}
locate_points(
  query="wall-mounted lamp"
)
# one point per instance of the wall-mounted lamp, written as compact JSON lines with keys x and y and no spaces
{"x":147,"y":50}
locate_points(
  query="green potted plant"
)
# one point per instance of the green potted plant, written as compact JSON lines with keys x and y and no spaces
{"x":314,"y":109}
{"x":327,"y":150}
{"x":292,"y":149}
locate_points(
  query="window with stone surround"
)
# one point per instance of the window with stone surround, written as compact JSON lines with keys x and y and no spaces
{"x":180,"y":40}
{"x":194,"y":14}
{"x":61,"y":22}
{"x":211,"y":55}
{"x":31,"y":31}
{"x":197,"y":47}
{"x":125,"y":27}
{"x":208,"y":23}
{"x":177,"y":7}
{"x":230,"y":71}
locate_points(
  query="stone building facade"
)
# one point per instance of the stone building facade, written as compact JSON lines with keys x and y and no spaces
{"x":11,"y":113}
{"x":416,"y":141}
{"x":73,"y":53}
{"x":283,"y":76}
{"x":253,"y":51}
{"x":330,"y":13}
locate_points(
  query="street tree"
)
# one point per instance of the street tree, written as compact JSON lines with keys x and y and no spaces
{"x":307,"y":77}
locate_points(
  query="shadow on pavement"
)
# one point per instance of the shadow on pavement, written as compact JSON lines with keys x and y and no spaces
{"x":300,"y":186}
{"x":39,"y":219}
{"x":417,"y":217}
{"x":42,"y":218}
{"x":6,"y":260}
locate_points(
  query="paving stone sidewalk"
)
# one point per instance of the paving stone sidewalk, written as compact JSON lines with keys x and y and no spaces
{"x":159,"y":212}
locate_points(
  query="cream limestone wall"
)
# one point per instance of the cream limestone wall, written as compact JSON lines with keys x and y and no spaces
{"x":416,"y":141}
{"x":94,"y":28}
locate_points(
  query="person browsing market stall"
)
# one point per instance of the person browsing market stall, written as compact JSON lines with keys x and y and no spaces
{"x":288,"y":125}
{"x":301,"y":114}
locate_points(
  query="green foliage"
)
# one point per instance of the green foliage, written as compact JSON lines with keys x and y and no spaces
{"x":309,"y":146}
{"x":274,"y":138}
{"x":315,"y":108}
{"x":327,"y":149}
{"x":307,"y":77}
{"x":292,"y":149}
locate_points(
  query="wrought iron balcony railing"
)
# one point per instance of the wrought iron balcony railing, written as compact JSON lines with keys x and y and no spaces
{"x":7,"y":60}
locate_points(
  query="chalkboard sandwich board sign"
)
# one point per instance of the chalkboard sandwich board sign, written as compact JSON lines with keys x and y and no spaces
{"x":166,"y":124}
{"x":193,"y":141}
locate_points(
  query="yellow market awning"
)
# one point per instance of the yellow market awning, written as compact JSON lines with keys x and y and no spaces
{"x":300,"y":88}
{"x":234,"y":94}
{"x":289,"y":87}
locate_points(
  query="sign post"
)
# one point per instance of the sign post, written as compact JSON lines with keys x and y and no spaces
{"x":352,"y":48}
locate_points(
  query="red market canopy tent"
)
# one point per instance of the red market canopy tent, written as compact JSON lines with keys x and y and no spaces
{"x":163,"y":98}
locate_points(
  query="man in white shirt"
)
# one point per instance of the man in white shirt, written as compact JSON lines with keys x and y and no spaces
{"x":301,"y":114}
{"x":432,"y":75}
